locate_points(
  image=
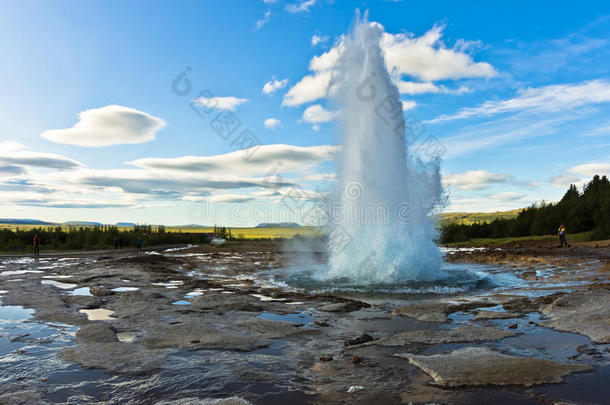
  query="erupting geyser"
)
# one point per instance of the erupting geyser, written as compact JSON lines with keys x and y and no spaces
{"x":385,"y":231}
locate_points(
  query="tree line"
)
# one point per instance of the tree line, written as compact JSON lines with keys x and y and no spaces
{"x":93,"y":237}
{"x":584,"y":211}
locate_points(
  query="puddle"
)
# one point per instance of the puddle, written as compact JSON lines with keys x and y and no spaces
{"x":170,"y":284}
{"x":266,"y":298}
{"x":82,"y":291}
{"x":99,"y":314}
{"x":3,"y":291}
{"x":125,"y":289}
{"x":19,"y":272}
{"x":126,"y":337}
{"x":195,"y":293}
{"x":57,"y":276}
{"x":59,"y":284}
{"x":298,"y":318}
{"x":181,"y":302}
{"x":15,"y":313}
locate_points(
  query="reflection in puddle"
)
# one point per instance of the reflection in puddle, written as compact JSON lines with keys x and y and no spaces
{"x":57,"y":276}
{"x":125,"y":289}
{"x":170,"y":284}
{"x":15,"y":313}
{"x":99,"y":314}
{"x":195,"y":293}
{"x":181,"y":302}
{"x":82,"y":291}
{"x":59,"y":284}
{"x":19,"y":272}
{"x":266,"y":298}
{"x":298,"y":318}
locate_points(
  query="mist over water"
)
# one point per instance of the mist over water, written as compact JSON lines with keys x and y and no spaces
{"x":385,"y":232}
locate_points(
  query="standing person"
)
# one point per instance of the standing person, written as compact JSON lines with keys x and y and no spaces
{"x":36,"y":245}
{"x":116,"y":242}
{"x":562,"y":236}
{"x":139,"y":243}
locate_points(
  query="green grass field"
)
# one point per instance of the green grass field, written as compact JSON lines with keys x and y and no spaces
{"x":240,"y":233}
{"x":481,"y":242}
{"x":468,"y":218}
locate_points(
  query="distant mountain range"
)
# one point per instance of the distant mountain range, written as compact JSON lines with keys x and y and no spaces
{"x":15,"y":221}
{"x":277,"y":225}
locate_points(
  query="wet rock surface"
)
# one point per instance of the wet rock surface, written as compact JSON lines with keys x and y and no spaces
{"x":200,"y":325}
{"x":585,"y":312}
{"x":482,"y":366}
{"x":466,"y":333}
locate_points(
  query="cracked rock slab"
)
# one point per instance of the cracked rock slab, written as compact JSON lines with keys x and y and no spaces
{"x":467,"y":333}
{"x":484,"y":314}
{"x":432,"y":312}
{"x":482,"y":366}
{"x":587,"y":313}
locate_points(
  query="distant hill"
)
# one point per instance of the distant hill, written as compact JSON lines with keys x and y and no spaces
{"x":277,"y":225}
{"x":125,"y":224}
{"x":14,"y":221}
{"x":468,"y":218}
{"x":83,"y":223}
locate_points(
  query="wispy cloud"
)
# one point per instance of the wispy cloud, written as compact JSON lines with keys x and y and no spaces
{"x":550,"y":98}
{"x":13,"y":153}
{"x":300,"y":7}
{"x":266,"y":18}
{"x":221,"y":103}
{"x":474,"y":179}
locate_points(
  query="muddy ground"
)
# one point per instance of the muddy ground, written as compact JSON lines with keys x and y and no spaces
{"x":208,"y":323}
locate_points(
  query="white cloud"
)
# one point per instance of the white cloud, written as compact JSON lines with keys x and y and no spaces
{"x":318,"y":39}
{"x":272,"y":123}
{"x":565,"y":180}
{"x":425,"y":58}
{"x":550,"y":98}
{"x":13,"y":153}
{"x":274,"y":85}
{"x":408,"y":104}
{"x":507,"y":196}
{"x":302,"y":6}
{"x":580,"y":174}
{"x":474,"y":179}
{"x":269,"y":1}
{"x":317,"y":114}
{"x":591,"y":169}
{"x":230,"y":198}
{"x":260,"y":23}
{"x":412,"y":88}
{"x":109,"y":125}
{"x":221,"y":103}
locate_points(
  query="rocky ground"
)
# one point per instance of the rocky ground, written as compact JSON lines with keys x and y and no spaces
{"x":186,"y":326}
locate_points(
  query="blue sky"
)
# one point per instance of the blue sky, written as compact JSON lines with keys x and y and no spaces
{"x":517,"y":92}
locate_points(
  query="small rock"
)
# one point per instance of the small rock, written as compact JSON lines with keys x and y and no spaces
{"x":100,"y":291}
{"x":195,"y":341}
{"x":359,"y":340}
{"x":321,"y":323}
{"x":354,"y":388}
{"x":513,"y":326}
{"x":98,"y":332}
{"x":326,"y":357}
{"x":356,"y":359}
